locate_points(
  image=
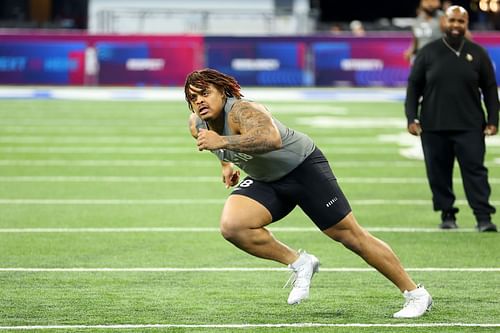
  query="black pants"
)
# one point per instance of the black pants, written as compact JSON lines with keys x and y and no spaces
{"x":468,"y":147}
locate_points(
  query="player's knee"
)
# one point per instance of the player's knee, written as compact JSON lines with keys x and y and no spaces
{"x":229,"y":229}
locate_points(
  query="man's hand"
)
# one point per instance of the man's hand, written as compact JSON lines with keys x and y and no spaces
{"x":209,"y":140}
{"x":414,"y":129}
{"x":490,"y":130}
{"x":230,"y":177}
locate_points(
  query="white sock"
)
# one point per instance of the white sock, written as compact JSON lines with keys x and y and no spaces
{"x":300,"y":261}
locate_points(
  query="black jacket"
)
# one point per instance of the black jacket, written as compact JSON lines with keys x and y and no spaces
{"x":451,"y":87}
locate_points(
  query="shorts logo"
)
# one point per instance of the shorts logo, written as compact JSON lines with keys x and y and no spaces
{"x":331,"y":202}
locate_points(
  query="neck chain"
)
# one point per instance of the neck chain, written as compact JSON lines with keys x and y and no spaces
{"x":457,"y":52}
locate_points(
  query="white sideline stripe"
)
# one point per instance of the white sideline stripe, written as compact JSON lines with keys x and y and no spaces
{"x":93,"y":130}
{"x":209,"y":229}
{"x":300,"y":95}
{"x":368,"y":202}
{"x":204,"y":179}
{"x":245,"y":326}
{"x":111,"y":179}
{"x":90,"y":123}
{"x":128,"y":163}
{"x":110,"y":201}
{"x":110,"y":140}
{"x":55,"y":162}
{"x":177,"y":150}
{"x":234,"y":269}
{"x":156,"y":140}
{"x":169,"y":150}
{"x":92,"y":163}
{"x":95,"y":139}
{"x":96,"y":150}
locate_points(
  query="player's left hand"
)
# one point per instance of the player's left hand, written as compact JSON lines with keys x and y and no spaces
{"x":414,"y":128}
{"x":490,"y":130}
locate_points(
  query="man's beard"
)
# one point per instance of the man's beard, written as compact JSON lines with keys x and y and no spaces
{"x":454,"y":40}
{"x":430,"y":11}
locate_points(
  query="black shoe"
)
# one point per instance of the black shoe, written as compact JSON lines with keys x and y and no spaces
{"x":449,"y":224}
{"x":448,"y":219}
{"x":487,"y":226}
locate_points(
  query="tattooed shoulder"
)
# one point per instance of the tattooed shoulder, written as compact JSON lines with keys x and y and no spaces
{"x":246,"y":115}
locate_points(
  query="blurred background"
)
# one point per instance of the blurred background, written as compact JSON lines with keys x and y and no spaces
{"x":298,"y":43}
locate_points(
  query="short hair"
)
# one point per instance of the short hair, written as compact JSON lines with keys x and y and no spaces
{"x":202,"y":78}
{"x":456,"y":8}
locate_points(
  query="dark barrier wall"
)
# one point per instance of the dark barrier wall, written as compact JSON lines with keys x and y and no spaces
{"x":322,"y":60}
{"x":158,"y":60}
{"x":42,"y":62}
{"x":78,"y":59}
{"x":312,"y":60}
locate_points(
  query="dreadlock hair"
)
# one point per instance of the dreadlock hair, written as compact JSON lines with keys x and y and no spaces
{"x":202,"y":78}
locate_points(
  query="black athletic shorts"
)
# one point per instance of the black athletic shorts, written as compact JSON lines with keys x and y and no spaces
{"x":311,"y":186}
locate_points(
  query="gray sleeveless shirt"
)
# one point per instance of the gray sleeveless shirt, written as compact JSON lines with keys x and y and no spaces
{"x":270,"y":166}
{"x":426,"y":31}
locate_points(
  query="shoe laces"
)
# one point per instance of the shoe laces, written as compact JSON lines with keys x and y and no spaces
{"x":291,"y":280}
{"x":412,"y":300}
{"x":296,"y":279}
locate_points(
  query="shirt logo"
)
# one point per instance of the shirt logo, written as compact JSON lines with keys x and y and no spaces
{"x":469,"y":57}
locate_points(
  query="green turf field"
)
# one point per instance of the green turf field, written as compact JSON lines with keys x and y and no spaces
{"x":109,"y":216}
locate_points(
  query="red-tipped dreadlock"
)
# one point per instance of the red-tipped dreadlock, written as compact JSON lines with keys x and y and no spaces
{"x":202,"y":78}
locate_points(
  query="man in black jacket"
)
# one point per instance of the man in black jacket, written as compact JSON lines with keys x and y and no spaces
{"x":443,"y":106}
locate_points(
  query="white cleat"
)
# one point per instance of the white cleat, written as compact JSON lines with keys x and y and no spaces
{"x":303,"y":271}
{"x":417,"y":302}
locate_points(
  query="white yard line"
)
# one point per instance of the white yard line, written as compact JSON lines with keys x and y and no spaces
{"x":94,"y":139}
{"x":164,"y":150}
{"x":111,"y":201}
{"x":134,"y":139}
{"x":100,"y":163}
{"x":212,"y":229}
{"x":93,"y":130}
{"x":111,"y":179}
{"x":368,"y":202}
{"x":203,"y":179}
{"x":179,"y":150}
{"x":245,"y":326}
{"x":174,"y":162}
{"x":233,"y":269}
{"x":60,"y":162}
{"x":96,"y":150}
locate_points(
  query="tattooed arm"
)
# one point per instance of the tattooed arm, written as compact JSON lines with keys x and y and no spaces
{"x":256,"y":131}
{"x":254,"y":128}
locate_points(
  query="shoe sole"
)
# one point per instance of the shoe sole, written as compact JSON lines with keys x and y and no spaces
{"x":447,"y":226}
{"x":487,"y":229}
{"x":428,"y":309}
